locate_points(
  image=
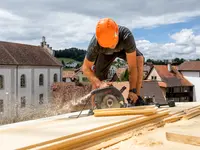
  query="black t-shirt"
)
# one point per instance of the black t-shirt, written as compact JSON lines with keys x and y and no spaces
{"x":126,"y":42}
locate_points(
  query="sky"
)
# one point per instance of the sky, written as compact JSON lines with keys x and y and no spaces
{"x":162,"y":29}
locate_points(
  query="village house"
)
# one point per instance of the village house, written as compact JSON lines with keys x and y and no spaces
{"x":172,"y":82}
{"x":118,"y":74}
{"x":146,"y":68}
{"x":68,"y":75}
{"x":27,"y":73}
{"x":191,"y":71}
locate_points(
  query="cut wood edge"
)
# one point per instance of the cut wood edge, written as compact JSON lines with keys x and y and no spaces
{"x":181,"y":138}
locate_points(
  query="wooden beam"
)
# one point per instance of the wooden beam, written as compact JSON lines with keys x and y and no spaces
{"x":148,"y":111}
{"x":182,"y":138}
{"x":129,"y":108}
{"x":191,"y":114}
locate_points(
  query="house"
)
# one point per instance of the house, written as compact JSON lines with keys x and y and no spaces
{"x":151,"y":89}
{"x":172,"y":82}
{"x":118,"y":74}
{"x":146,"y":68}
{"x":191,"y":71}
{"x":71,"y":64}
{"x":26,"y":75}
{"x":80,"y":76}
{"x":68,"y":75}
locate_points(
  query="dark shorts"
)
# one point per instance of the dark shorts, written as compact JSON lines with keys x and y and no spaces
{"x":103,"y":63}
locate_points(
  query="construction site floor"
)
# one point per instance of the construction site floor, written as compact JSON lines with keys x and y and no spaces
{"x":22,"y":134}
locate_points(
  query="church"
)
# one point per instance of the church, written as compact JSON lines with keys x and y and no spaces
{"x":27,"y":73}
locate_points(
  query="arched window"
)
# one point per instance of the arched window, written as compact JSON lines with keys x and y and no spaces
{"x":23,"y":81}
{"x":41,"y":80}
{"x":1,"y":82}
{"x":55,"y":78}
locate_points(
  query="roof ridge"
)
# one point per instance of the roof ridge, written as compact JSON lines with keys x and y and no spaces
{"x":10,"y":54}
{"x":9,"y":42}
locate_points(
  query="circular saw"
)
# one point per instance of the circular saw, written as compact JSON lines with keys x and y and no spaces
{"x":109,"y":97}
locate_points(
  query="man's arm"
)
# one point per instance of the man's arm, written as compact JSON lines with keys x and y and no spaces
{"x":87,"y":71}
{"x":132,"y":66}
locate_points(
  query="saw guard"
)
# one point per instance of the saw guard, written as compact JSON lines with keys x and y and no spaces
{"x":109,"y":97}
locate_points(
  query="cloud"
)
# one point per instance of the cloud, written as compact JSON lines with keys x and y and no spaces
{"x":67,"y":23}
{"x":186,"y":45}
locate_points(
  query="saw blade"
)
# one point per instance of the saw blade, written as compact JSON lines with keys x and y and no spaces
{"x":111,"y":97}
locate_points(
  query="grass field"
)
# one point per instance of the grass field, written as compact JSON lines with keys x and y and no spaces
{"x":67,"y":60}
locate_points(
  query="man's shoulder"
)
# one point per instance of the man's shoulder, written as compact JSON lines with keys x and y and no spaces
{"x":124,"y":31}
{"x":93,"y":41}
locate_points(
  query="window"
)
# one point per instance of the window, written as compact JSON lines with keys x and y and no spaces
{"x":1,"y":106}
{"x":23,"y":81}
{"x":177,"y":89}
{"x":41,"y":98}
{"x":55,"y":78}
{"x":153,"y":77}
{"x":1,"y":82}
{"x":23,"y":102}
{"x":41,"y":79}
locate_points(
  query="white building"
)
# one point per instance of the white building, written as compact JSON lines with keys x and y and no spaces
{"x":26,"y":75}
{"x":191,"y":71}
{"x":72,"y":65}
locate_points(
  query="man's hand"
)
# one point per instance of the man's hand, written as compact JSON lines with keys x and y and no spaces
{"x":133,"y":96}
{"x":101,"y":84}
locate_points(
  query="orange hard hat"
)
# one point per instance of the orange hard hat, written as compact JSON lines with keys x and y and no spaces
{"x":107,"y":32}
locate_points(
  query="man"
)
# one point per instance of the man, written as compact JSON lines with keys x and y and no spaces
{"x":109,"y":42}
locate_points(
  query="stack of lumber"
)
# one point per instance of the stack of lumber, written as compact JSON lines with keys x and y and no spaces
{"x":185,"y":114}
{"x":92,"y":137}
{"x":112,"y":133}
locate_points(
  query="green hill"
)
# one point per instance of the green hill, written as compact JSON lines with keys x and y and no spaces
{"x":68,"y":60}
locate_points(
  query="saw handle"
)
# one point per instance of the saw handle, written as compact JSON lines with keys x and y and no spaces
{"x":122,"y":89}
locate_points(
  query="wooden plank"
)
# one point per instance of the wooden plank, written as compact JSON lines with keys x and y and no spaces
{"x":191,"y":114}
{"x":182,"y":138}
{"x":129,"y":108}
{"x":149,"y":111}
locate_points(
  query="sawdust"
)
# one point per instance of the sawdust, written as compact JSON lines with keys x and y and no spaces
{"x":139,"y":138}
{"x":136,"y":142}
{"x":81,"y":101}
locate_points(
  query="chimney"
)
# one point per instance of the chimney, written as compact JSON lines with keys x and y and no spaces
{"x":169,"y":65}
{"x":43,"y":43}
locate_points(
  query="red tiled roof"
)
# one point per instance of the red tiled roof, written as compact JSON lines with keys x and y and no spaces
{"x":23,"y":54}
{"x":173,"y":78}
{"x":190,"y":66}
{"x":68,"y":74}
